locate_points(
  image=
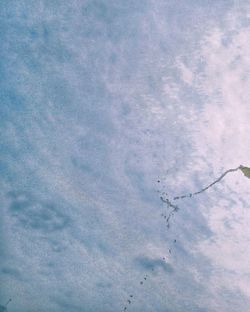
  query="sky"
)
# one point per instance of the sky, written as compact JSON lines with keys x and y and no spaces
{"x":105,"y":105}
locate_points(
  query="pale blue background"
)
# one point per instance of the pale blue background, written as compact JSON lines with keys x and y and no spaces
{"x":94,"y":109}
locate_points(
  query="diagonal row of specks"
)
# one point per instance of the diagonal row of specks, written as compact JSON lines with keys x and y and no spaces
{"x":171,"y":210}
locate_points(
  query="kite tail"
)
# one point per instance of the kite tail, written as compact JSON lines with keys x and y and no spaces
{"x":207,"y":187}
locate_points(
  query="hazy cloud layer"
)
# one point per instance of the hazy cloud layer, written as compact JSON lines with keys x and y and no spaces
{"x":104,"y":105}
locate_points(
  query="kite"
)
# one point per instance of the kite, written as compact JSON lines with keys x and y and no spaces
{"x":245,"y":170}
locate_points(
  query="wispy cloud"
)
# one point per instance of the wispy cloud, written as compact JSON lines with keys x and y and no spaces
{"x":99,"y":102}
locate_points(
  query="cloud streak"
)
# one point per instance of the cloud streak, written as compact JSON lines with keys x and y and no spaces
{"x":99,"y":101}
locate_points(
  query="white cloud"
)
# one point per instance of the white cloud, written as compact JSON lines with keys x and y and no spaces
{"x":223,"y":141}
{"x":186,"y":73}
{"x":95,"y":128}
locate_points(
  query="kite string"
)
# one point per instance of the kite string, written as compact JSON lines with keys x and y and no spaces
{"x":207,"y":187}
{"x":8,"y":302}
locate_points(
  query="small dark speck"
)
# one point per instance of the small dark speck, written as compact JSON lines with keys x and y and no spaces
{"x":131,"y":296}
{"x":129,"y":301}
{"x":141,"y":282}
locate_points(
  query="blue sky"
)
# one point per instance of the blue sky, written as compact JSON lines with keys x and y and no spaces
{"x":99,"y":101}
